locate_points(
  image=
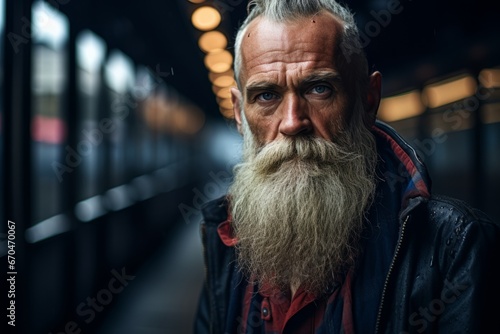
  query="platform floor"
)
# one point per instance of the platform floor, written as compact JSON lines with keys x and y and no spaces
{"x":163,"y":296}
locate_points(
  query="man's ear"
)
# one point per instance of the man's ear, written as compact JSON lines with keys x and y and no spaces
{"x":374,"y":95}
{"x":236,"y":99}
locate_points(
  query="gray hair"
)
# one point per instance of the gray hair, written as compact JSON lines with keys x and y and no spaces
{"x":352,"y":59}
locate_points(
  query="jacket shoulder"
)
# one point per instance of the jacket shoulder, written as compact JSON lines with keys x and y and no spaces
{"x":449,"y":258}
{"x":456,"y":225}
{"x":460,"y":235}
{"x":215,"y":211}
{"x":444,"y":210}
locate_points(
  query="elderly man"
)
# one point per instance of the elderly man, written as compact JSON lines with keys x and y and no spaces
{"x":329,"y":225}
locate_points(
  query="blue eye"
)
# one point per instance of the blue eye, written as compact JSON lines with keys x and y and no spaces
{"x":266,"y":96}
{"x":321,"y":89}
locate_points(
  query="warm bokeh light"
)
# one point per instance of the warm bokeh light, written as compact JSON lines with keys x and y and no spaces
{"x":219,"y":61}
{"x":225,"y":104}
{"x":490,"y":113}
{"x":401,"y":106}
{"x":225,"y":79}
{"x":222,"y":92}
{"x":490,"y":78}
{"x":211,"y":41}
{"x":196,"y":1}
{"x":206,"y":18}
{"x":172,"y":115}
{"x":448,"y":91}
{"x":227,"y":113}
{"x":194,"y":120}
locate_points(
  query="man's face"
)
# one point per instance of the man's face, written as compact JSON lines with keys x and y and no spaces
{"x":290,"y":81}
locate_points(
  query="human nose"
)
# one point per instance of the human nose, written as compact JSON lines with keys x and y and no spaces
{"x":295,"y":119}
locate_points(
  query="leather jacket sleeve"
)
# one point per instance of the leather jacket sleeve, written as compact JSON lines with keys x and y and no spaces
{"x":447,"y":278}
{"x":470,"y":296}
{"x":203,"y":322}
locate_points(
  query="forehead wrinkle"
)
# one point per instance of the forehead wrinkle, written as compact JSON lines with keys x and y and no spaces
{"x":274,"y":80}
{"x":280,"y":53}
{"x":295,"y":55}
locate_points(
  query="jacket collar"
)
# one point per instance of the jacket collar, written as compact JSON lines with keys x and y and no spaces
{"x":411,"y":174}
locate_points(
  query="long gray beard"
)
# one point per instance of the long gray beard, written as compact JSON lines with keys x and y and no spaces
{"x":298,"y":206}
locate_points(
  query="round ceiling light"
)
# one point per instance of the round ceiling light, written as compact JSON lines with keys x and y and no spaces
{"x":223,"y":93}
{"x":212,"y":40}
{"x":225,"y":79}
{"x":227,"y":113}
{"x":219,"y":61}
{"x":206,"y":18}
{"x":226,"y":104}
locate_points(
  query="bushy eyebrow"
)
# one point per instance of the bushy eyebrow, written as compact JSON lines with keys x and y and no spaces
{"x":326,"y":76}
{"x":261,"y":86}
{"x":316,"y":77}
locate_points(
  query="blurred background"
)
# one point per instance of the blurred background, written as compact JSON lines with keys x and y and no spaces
{"x":115,"y":126}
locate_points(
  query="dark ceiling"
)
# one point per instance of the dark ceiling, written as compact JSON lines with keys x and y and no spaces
{"x":423,"y":40}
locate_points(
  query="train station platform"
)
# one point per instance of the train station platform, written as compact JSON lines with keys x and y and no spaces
{"x":163,"y":296}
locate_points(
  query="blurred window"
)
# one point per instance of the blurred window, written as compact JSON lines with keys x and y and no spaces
{"x":140,"y":155}
{"x":91,"y":125}
{"x":119,"y":76}
{"x":52,"y":159}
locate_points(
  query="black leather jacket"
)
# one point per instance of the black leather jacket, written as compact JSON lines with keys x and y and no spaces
{"x":444,"y":276}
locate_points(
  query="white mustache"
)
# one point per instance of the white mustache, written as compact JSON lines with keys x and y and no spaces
{"x":301,"y":149}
